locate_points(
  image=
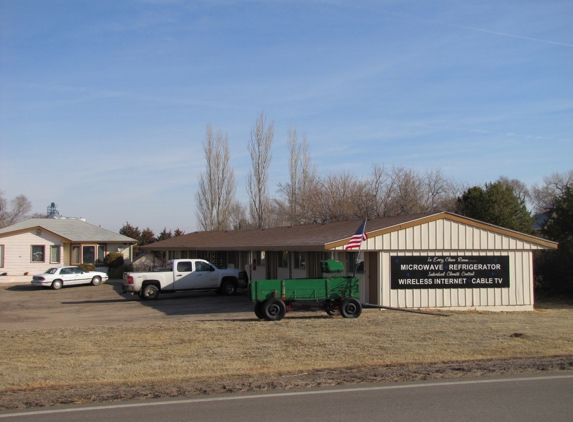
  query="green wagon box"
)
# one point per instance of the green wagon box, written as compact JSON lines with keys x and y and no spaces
{"x":273,"y":298}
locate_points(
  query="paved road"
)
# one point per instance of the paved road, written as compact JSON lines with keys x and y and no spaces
{"x":23,"y":306}
{"x":532,"y":398}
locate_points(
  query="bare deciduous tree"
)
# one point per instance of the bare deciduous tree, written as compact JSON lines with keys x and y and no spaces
{"x":553,"y":186}
{"x":302,"y":174}
{"x":17,"y":210}
{"x":216,"y":193}
{"x":519,"y":188}
{"x":260,"y":151}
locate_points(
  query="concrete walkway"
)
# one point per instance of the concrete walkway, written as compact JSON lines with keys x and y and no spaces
{"x":15,"y":279}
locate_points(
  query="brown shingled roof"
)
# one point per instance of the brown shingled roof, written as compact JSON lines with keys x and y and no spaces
{"x":318,"y":237}
{"x":306,"y":237}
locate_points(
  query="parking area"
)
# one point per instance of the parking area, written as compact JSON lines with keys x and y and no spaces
{"x":23,"y":306}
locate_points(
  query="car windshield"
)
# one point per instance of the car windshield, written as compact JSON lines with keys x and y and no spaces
{"x":51,"y":271}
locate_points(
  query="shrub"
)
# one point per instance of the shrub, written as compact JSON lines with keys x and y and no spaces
{"x":113,"y":260}
{"x":87,"y":267}
{"x":117,"y":272}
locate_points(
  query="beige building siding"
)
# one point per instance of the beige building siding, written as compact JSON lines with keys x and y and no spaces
{"x":18,"y":252}
{"x":445,"y":237}
{"x":518,"y":295}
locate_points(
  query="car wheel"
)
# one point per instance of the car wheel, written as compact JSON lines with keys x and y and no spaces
{"x":350,"y":308}
{"x":96,"y":281}
{"x":273,"y":309}
{"x":228,"y":288}
{"x":259,"y":310}
{"x":150,"y":292}
{"x":57,"y":284}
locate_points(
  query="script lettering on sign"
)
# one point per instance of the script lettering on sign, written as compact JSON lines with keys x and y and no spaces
{"x":449,"y":272}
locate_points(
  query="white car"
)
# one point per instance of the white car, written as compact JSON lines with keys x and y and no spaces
{"x":57,"y":277}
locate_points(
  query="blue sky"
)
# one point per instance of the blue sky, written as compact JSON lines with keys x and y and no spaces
{"x":104,"y":104}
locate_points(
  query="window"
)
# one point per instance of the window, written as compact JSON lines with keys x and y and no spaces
{"x":202,"y":266}
{"x":184,"y":266}
{"x":1,"y":256}
{"x":100,"y":254}
{"x":88,"y":255}
{"x":55,"y":254}
{"x":38,"y":253}
{"x":75,"y":254}
{"x":283,"y":260}
{"x":300,"y":260}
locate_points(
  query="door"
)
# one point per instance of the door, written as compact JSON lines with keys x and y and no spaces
{"x":201,"y":277}
{"x":373,"y":278}
{"x":81,"y":276}
{"x":68,"y":276}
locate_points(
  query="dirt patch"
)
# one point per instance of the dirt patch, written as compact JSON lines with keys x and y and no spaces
{"x":42,"y":397}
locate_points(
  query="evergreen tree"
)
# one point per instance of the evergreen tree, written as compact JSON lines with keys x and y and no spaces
{"x":164,"y":235}
{"x":147,"y":237}
{"x":496,"y":204}
{"x":130,"y":231}
{"x":560,"y":225}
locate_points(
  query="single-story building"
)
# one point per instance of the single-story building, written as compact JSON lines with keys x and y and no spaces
{"x":439,"y":260}
{"x":32,"y":246}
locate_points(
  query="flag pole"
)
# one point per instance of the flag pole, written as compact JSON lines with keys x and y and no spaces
{"x":359,"y":249}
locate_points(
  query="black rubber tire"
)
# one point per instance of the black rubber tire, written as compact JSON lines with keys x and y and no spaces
{"x":150,"y":292}
{"x":57,"y":284}
{"x":96,"y":281}
{"x":273,"y":309}
{"x":228,"y":288}
{"x":350,"y":308}
{"x":259,"y":310}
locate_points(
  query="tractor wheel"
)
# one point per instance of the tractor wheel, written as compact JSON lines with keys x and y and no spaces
{"x":350,"y":308}
{"x":273,"y":309}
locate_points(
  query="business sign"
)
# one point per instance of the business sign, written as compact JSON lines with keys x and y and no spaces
{"x":449,"y":272}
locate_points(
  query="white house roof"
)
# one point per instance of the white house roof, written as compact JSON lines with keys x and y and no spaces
{"x":71,"y":229}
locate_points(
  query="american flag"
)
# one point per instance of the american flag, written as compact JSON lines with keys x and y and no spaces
{"x":357,"y":237}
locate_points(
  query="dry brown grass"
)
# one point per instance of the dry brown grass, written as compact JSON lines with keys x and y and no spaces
{"x":194,"y":350}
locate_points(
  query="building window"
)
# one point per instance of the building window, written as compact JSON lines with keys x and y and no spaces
{"x":300,"y":260}
{"x":101,"y":253}
{"x":38,"y":253}
{"x":75,"y":254}
{"x":55,"y":254}
{"x":88,"y":255}
{"x":283,"y":259}
{"x":1,"y":256}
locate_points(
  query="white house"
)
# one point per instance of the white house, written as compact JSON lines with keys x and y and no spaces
{"x":34,"y":245}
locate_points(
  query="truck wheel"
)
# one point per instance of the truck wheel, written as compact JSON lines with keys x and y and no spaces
{"x":96,"y":281}
{"x":150,"y":292}
{"x":228,"y":288}
{"x":57,"y":284}
{"x":259,"y":310}
{"x":350,"y":308}
{"x":273,"y":309}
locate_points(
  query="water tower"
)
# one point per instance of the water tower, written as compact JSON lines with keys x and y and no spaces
{"x":52,"y":211}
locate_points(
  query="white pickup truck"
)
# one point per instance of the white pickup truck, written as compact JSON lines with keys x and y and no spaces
{"x":184,"y":274}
